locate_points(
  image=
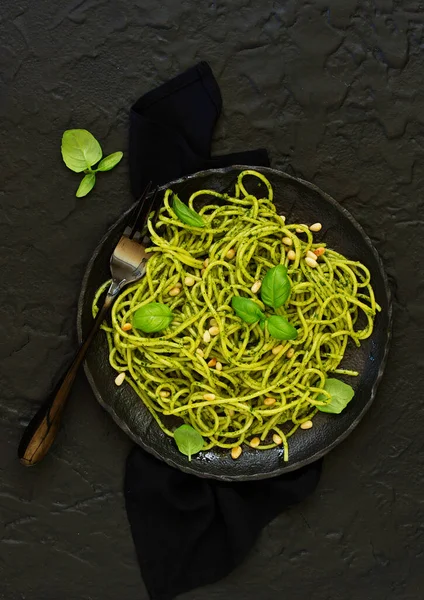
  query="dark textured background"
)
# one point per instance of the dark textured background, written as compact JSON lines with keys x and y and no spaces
{"x":335,"y":90}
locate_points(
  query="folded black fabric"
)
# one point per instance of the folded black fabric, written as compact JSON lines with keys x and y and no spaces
{"x":190,"y":531}
{"x":171,"y":131}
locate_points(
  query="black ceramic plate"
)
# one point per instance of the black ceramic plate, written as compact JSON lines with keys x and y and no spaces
{"x":301,"y":202}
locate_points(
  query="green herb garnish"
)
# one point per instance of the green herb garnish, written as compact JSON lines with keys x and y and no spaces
{"x":80,"y":152}
{"x":280,"y":329}
{"x":247,"y":310}
{"x":276,"y":287}
{"x":186,"y":214}
{"x":188,"y":440}
{"x":152,"y":317}
{"x":341,"y":394}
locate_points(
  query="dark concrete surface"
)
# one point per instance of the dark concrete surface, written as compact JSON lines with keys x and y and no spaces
{"x":335,"y":90}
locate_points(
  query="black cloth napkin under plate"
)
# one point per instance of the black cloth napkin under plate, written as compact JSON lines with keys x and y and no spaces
{"x":190,"y":531}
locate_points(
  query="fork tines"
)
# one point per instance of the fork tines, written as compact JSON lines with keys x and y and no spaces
{"x":145,"y":204}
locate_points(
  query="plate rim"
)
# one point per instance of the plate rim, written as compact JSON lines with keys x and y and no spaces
{"x":287,"y":467}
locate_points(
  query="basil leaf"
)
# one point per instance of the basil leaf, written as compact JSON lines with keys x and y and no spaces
{"x":108,"y":162}
{"x":280,"y":329}
{"x":275,"y":288}
{"x":152,"y":317}
{"x":341,"y":394}
{"x":186,"y":214}
{"x":247,"y":310}
{"x":86,"y":185}
{"x":80,"y":149}
{"x":188,"y":440}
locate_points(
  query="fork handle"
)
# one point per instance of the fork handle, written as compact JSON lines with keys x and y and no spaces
{"x":41,"y":431}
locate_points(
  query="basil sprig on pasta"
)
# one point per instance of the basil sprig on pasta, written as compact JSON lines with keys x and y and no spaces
{"x":275,"y":290}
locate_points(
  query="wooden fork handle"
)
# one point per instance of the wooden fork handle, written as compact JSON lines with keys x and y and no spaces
{"x":41,"y":431}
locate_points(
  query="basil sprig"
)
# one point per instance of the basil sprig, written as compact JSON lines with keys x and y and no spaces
{"x":80,"y":152}
{"x":341,"y":394}
{"x":152,"y":317}
{"x":186,"y":214}
{"x":280,"y":329}
{"x":247,"y":310}
{"x":188,"y":440}
{"x":275,"y":288}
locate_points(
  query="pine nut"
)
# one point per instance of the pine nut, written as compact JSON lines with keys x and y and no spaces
{"x":311,"y":255}
{"x":126,"y":327}
{"x":174,"y":292}
{"x":213,"y":322}
{"x":255,"y":442}
{"x":277,"y":349}
{"x":290,"y":353}
{"x":218,"y":366}
{"x":164,"y":394}
{"x":319,"y":251}
{"x":189,"y":281}
{"x":212,"y":362}
{"x":307,"y":425}
{"x":277,"y":439}
{"x":291,"y":255}
{"x":231,"y":412}
{"x":206,"y":262}
{"x":209,"y":397}
{"x":119,"y":380}
{"x":287,"y":241}
{"x":206,"y":337}
{"x":235,"y":452}
{"x":200,"y":352}
{"x":269,"y":401}
{"x":316,"y":227}
{"x":202,"y":271}
{"x":283,"y":218}
{"x":178,"y":284}
{"x":256,"y":286}
{"x":298,"y":230}
{"x":230,"y":254}
{"x":214,"y":330}
{"x":311,"y":262}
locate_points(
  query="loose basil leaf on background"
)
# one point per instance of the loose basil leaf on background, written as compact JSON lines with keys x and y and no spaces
{"x":275,"y":288}
{"x":341,"y":394}
{"x":86,"y":185}
{"x":188,"y":440}
{"x":186,"y":214}
{"x":80,"y":149}
{"x":108,"y":162}
{"x":280,"y":329}
{"x":152,"y":317}
{"x":247,"y":310}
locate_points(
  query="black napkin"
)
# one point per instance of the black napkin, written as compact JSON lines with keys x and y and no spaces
{"x":190,"y":531}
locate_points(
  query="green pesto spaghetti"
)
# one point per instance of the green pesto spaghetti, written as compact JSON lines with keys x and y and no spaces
{"x":231,"y":380}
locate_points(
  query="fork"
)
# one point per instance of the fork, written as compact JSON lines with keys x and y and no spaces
{"x":127,"y":264}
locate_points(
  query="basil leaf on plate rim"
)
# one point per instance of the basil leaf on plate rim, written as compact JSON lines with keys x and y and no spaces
{"x":186,"y":214}
{"x":341,"y":394}
{"x":188,"y":440}
{"x":152,"y":317}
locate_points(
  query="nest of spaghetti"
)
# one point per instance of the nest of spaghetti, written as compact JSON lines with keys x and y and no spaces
{"x":230,"y":380}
